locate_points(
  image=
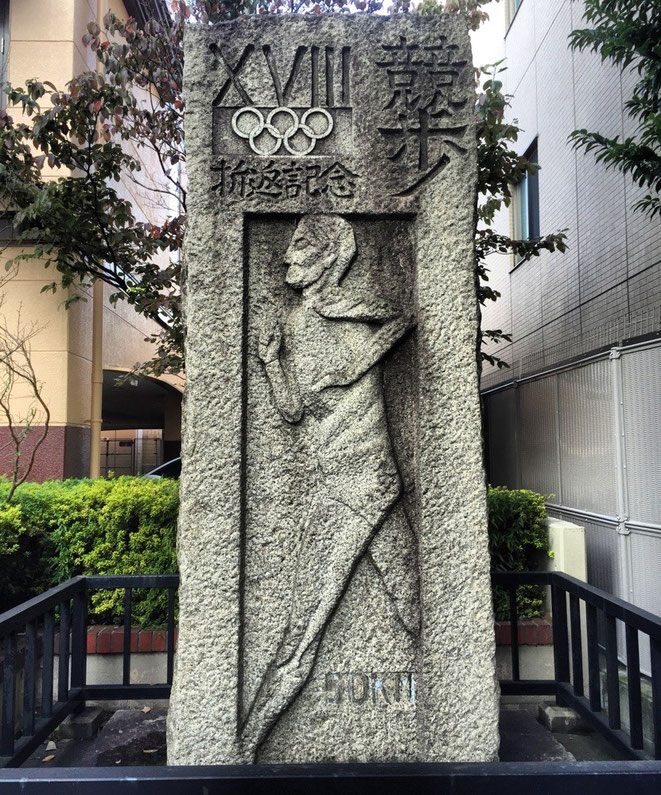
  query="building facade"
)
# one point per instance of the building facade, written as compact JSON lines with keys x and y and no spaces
{"x":43,"y":39}
{"x":577,"y":416}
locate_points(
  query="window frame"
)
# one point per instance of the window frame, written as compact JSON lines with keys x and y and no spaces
{"x":525,"y":204}
{"x":512,"y":9}
{"x":4,"y":49}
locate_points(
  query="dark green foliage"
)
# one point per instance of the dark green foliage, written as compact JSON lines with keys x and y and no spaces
{"x":518,"y":541}
{"x":628,"y":33}
{"x":83,"y":228}
{"x":23,"y":557}
{"x":58,"y":529}
{"x":55,"y":530}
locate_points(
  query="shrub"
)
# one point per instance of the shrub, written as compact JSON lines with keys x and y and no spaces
{"x":518,"y":541}
{"x":21,"y":572}
{"x":55,"y":530}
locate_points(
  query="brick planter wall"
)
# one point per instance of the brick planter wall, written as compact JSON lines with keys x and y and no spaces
{"x":110,"y":639}
{"x":532,"y":632}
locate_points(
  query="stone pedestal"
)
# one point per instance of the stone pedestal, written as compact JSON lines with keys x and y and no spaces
{"x":335,"y":594}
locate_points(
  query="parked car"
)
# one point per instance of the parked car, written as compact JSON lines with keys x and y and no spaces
{"x":170,"y":469}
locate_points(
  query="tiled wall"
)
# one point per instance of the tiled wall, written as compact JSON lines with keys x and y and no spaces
{"x":612,"y":269}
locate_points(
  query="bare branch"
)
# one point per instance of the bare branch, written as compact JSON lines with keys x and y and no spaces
{"x":16,"y":368}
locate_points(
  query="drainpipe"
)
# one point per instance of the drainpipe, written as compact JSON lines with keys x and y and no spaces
{"x":97,"y":379}
{"x":96,"y":409}
{"x":623,"y":531}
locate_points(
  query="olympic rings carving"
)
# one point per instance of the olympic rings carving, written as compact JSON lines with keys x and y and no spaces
{"x":249,"y":123}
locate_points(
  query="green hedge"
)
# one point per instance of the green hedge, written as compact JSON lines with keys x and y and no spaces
{"x":55,"y":530}
{"x":127,"y":525}
{"x":518,"y":541}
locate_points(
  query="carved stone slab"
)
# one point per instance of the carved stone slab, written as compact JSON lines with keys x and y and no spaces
{"x":335,"y":595}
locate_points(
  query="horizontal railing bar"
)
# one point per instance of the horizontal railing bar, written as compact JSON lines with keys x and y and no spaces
{"x":611,"y":605}
{"x":646,"y":527}
{"x":603,"y":518}
{"x":16,"y":617}
{"x":43,"y":727}
{"x":617,"y":737}
{"x":494,"y":778}
{"x":507,"y":578}
{"x":130,"y":692}
{"x":528,"y":687}
{"x":103,"y":581}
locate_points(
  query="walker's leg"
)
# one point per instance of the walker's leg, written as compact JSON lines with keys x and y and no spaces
{"x":393,"y":553}
{"x":334,"y":541}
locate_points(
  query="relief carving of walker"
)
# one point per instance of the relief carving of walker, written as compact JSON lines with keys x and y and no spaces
{"x":324,"y":368}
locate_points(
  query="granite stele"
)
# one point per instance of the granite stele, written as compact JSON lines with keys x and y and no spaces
{"x":335,"y":596}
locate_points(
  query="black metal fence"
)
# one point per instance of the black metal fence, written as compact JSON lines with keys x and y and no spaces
{"x":504,"y":778}
{"x":37,"y":694}
{"x":34,"y":700}
{"x":580,"y":689}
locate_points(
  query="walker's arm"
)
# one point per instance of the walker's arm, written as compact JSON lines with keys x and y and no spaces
{"x":372,"y":353}
{"x":286,"y":396}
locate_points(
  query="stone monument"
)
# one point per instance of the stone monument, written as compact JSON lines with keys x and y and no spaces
{"x":335,"y":595}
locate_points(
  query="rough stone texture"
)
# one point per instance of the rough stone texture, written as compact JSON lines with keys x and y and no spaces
{"x":333,"y":518}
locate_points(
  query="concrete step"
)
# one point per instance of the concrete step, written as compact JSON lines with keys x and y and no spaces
{"x":82,"y":726}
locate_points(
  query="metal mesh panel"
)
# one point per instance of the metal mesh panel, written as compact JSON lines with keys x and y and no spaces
{"x":587,"y":456}
{"x":646,"y":580}
{"x":537,"y":434}
{"x":501,"y":429}
{"x":641,"y":383}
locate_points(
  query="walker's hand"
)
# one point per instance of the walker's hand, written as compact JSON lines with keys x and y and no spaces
{"x":339,"y":378}
{"x":270,"y":341}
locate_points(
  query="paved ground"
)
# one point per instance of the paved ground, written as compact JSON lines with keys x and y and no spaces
{"x":137,"y":737}
{"x":524,"y":739}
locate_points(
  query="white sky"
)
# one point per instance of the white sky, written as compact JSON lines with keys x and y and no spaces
{"x":488,"y":42}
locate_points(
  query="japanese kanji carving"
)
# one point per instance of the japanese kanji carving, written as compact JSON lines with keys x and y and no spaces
{"x":425,"y":117}
{"x":283,"y":179}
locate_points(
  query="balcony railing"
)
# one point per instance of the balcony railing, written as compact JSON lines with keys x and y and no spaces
{"x":64,"y":610}
{"x":585,"y":626}
{"x":581,"y":689}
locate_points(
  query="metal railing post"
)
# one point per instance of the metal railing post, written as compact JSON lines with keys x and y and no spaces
{"x":79,"y":642}
{"x":655,"y":654}
{"x":8,"y":703}
{"x":514,"y":641}
{"x":560,"y":638}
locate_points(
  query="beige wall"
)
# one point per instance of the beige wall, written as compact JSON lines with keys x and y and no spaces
{"x":45,"y":42}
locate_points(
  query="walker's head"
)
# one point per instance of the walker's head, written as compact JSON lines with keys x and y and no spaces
{"x":320,"y":242}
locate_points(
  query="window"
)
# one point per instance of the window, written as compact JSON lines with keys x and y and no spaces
{"x":511,"y":7}
{"x":526,"y":202}
{"x":4,"y":49}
